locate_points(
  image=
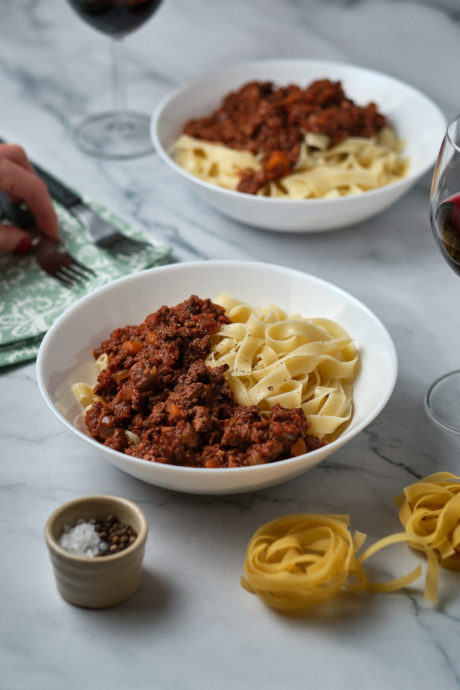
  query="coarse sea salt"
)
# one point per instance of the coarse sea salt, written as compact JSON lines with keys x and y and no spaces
{"x":82,"y":539}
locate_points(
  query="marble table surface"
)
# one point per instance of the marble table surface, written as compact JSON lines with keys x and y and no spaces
{"x":191,"y":625}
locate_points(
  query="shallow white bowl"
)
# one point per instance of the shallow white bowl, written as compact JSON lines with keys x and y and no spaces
{"x":65,"y":355}
{"x":418,"y":121}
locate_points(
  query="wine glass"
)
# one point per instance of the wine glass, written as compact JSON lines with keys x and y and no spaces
{"x":442,"y":398}
{"x":118,"y":133}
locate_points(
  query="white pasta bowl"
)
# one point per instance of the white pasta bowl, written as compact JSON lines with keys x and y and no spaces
{"x":65,"y":356}
{"x":417,"y":120}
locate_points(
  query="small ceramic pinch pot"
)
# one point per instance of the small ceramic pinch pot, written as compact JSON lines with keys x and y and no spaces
{"x":101,"y":581}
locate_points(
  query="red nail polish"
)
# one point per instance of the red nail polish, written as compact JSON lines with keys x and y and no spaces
{"x":24,"y":246}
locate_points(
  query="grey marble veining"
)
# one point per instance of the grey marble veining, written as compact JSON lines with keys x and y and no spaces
{"x":191,"y":626}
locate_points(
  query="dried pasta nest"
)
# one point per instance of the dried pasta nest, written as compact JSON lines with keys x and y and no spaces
{"x":299,"y":561}
{"x":430,"y":512}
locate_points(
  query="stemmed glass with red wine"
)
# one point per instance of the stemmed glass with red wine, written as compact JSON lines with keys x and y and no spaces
{"x":118,"y":133}
{"x":443,"y":396}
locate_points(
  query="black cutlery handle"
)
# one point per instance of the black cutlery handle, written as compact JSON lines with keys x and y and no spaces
{"x":16,"y":213}
{"x":59,"y":192}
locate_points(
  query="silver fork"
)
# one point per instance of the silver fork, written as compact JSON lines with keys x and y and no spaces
{"x":103,"y":233}
{"x":56,"y":260}
{"x":100,"y":231}
{"x":51,"y":256}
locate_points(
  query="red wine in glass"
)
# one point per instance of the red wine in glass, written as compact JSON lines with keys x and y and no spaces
{"x":118,"y":133}
{"x":443,"y":396}
{"x":446,"y":230}
{"x":115,"y":17}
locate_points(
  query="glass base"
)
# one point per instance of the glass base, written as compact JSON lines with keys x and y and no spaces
{"x":114,"y":135}
{"x":442,"y":401}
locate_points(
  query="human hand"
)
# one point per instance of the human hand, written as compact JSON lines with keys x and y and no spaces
{"x":20,"y":182}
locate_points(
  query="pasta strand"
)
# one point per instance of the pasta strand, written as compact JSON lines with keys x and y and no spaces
{"x":353,"y":166}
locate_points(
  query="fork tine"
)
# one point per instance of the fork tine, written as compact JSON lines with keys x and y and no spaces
{"x":85,"y":270}
{"x":66,"y":273}
{"x":59,"y":275}
{"x":51,"y":256}
{"x":72,"y":274}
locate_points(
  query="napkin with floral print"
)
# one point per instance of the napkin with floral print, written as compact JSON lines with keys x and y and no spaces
{"x":31,"y":300}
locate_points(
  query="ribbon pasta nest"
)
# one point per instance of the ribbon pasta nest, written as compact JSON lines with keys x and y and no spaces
{"x":296,"y":362}
{"x":298,"y":561}
{"x":430,"y":513}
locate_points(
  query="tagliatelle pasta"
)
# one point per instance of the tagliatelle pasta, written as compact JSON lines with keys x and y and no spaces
{"x":291,"y":380}
{"x":430,"y":512}
{"x":296,"y":362}
{"x":214,"y":163}
{"x":353,"y":166}
{"x":299,"y":561}
{"x":84,"y":392}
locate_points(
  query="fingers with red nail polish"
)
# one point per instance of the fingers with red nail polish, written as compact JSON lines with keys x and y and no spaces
{"x":14,"y":241}
{"x":21,"y":183}
{"x":24,"y":246}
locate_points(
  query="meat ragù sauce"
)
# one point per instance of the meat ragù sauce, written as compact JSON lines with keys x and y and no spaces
{"x":272,"y":122}
{"x":159,"y":401}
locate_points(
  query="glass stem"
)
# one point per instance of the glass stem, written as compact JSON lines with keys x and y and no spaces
{"x":118,"y":79}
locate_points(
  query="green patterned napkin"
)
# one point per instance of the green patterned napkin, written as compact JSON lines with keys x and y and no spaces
{"x":31,"y":300}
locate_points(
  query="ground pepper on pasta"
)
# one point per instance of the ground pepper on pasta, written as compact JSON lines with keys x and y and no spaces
{"x":156,"y":399}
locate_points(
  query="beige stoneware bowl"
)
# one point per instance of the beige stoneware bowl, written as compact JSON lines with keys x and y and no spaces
{"x":102,"y":581}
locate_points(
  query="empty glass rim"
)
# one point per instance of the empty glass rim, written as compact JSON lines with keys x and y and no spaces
{"x":454,"y":140}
